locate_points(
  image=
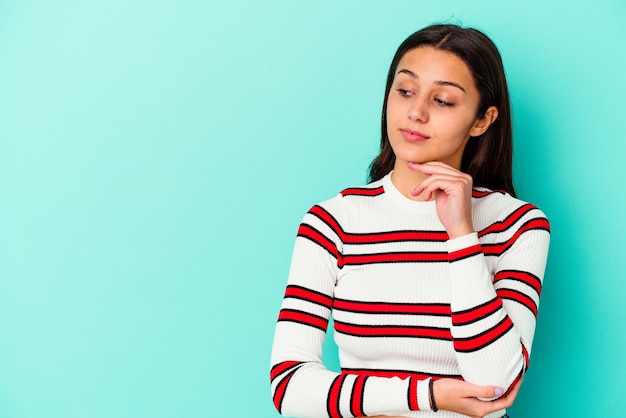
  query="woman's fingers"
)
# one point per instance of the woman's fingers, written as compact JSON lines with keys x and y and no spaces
{"x":464,"y":398}
{"x":471,"y":400}
{"x":507,"y":401}
{"x":452,"y":191}
{"x":433,"y":168}
{"x":440,"y":176}
{"x":445,"y":182}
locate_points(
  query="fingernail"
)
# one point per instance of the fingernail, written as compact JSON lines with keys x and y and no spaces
{"x":499,"y":391}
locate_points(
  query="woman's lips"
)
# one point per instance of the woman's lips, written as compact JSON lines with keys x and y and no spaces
{"x":413,"y":136}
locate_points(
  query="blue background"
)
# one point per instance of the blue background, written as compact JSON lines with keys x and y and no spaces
{"x":156,"y":158}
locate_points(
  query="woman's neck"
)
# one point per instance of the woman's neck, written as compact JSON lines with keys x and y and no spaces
{"x":405,"y":179}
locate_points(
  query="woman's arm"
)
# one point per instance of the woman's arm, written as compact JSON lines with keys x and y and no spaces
{"x":493,"y":313}
{"x":462,"y":397}
{"x":300,"y":384}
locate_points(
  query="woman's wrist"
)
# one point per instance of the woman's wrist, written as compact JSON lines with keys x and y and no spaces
{"x":461,"y":232}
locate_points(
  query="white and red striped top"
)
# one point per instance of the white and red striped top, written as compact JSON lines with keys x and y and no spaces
{"x":408,"y":303}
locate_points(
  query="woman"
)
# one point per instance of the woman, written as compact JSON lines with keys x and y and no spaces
{"x":433,"y":270}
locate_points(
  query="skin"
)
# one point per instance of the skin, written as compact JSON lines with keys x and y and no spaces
{"x":463,"y":398}
{"x":431,"y":115}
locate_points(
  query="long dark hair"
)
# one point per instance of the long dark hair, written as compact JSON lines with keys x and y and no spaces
{"x":488,"y":158}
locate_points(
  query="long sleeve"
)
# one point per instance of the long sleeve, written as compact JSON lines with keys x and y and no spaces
{"x":301,"y":385}
{"x":494,"y":304}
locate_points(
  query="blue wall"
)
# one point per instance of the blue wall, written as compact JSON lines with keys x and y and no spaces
{"x":157,"y":156}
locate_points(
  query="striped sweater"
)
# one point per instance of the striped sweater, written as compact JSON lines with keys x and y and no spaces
{"x":408,"y":303}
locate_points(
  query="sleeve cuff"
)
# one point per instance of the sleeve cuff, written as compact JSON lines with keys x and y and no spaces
{"x":463,"y":247}
{"x":423,"y":394}
{"x":462,"y":242}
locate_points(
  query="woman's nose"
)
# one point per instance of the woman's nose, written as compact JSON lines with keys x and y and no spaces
{"x":418,"y":110}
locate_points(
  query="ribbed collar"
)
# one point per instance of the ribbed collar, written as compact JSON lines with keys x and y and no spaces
{"x":404,"y":202}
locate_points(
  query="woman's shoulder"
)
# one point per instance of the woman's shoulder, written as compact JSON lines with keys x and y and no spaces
{"x":349,"y":198}
{"x":365,"y":191}
{"x":495,"y":205}
{"x":356,"y":192}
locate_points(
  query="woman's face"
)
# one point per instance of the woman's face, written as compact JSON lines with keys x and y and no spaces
{"x":432,"y":107}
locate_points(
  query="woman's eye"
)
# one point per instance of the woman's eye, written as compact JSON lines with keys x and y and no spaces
{"x":443,"y":102}
{"x":404,"y":92}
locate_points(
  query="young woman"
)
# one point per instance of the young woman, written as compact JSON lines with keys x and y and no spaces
{"x":433,"y":270}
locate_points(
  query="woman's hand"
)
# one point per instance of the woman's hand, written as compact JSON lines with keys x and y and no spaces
{"x":462,"y":397}
{"x":452,"y":190}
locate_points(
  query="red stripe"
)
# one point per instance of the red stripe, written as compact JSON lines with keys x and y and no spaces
{"x":544,"y":224}
{"x":510,"y":220}
{"x":464,"y":253}
{"x":483,"y":193}
{"x":298,"y":292}
{"x":522,"y":276}
{"x":279,"y":393}
{"x":291,"y":315}
{"x":526,"y":356}
{"x":520,"y":298}
{"x":412,"y":395}
{"x":392,"y":331}
{"x":475,"y":314}
{"x":519,"y":376}
{"x":280,"y":368}
{"x":377,"y":237}
{"x":328,"y":219}
{"x":396,"y":236}
{"x":333,"y":397}
{"x":497,"y":249}
{"x":412,"y":257}
{"x":317,"y":237}
{"x":484,"y":339}
{"x":392,"y":308}
{"x":363,"y":191}
{"x":402,"y":374}
{"x":356,"y":403}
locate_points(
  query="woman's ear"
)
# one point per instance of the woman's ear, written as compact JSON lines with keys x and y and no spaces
{"x":482,"y":124}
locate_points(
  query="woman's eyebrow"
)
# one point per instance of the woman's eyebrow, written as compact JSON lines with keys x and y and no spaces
{"x":438,"y":82}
